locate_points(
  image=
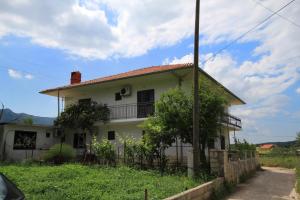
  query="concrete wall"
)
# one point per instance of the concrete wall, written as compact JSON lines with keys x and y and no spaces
{"x":42,"y":142}
{"x":221,"y":165}
{"x":234,"y":170}
{"x":202,"y":192}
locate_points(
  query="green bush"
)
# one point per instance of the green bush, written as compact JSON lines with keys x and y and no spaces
{"x":60,"y":153}
{"x":104,"y":150}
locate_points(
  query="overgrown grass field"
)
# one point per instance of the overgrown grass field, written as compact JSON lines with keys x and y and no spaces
{"x":287,"y":161}
{"x":280,"y":161}
{"x":74,"y":181}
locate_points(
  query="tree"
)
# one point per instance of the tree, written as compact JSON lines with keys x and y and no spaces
{"x":298,"y":139}
{"x":82,"y":116}
{"x":173,"y":118}
{"x":28,"y":121}
{"x":212,"y":108}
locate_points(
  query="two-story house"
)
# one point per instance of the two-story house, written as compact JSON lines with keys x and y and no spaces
{"x":130,"y":97}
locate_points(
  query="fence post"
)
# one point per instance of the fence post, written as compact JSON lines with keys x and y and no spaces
{"x":226,"y":165}
{"x":124,"y":152}
{"x":118,"y":156}
{"x":146,"y":194}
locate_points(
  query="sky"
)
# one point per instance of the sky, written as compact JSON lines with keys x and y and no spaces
{"x":41,"y":42}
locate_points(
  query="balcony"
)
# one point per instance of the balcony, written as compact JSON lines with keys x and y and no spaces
{"x":144,"y":110}
{"x":232,"y":121}
{"x":131,"y":111}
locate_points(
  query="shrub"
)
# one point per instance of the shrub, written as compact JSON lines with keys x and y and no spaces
{"x":138,"y":151}
{"x":60,"y":153}
{"x":104,"y":150}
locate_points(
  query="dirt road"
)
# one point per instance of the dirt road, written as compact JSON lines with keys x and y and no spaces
{"x":271,"y":183}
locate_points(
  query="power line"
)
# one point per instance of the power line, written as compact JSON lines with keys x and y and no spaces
{"x":244,"y":34}
{"x":283,"y":17}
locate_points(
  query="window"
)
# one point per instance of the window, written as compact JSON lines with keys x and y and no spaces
{"x":84,"y":101}
{"x":48,"y":135}
{"x":118,"y":96}
{"x":145,"y":103}
{"x":25,"y":140}
{"x":111,"y":135}
{"x":79,"y":140}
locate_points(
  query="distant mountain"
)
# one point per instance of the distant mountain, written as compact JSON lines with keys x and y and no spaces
{"x":10,"y":116}
{"x":281,"y":144}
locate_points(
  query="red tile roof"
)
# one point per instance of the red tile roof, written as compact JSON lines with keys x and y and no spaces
{"x":267,"y":146}
{"x":133,"y":73}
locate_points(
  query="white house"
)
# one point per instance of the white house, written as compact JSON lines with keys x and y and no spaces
{"x":22,"y":141}
{"x":131,"y":96}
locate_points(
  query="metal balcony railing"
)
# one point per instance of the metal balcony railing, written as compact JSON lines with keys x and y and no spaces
{"x":232,"y":120}
{"x":129,"y":111}
{"x":143,"y":110}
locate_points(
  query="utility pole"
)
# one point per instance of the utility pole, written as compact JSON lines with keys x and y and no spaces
{"x":196,"y":133}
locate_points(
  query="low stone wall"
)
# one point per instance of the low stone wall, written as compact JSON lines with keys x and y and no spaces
{"x":234,"y":170}
{"x":201,"y":192}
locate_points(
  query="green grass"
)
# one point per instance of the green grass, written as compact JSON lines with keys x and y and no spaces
{"x":280,"y":161}
{"x":283,"y":161}
{"x":74,"y":181}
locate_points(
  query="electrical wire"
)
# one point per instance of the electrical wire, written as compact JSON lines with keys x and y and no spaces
{"x":283,"y":17}
{"x":245,"y":33}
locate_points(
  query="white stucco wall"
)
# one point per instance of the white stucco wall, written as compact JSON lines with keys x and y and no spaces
{"x":42,"y":142}
{"x":105,"y":93}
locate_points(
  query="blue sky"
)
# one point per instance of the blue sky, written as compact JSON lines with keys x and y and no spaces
{"x":40,"y":48}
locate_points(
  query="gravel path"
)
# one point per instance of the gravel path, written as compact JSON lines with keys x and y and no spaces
{"x":271,"y":183}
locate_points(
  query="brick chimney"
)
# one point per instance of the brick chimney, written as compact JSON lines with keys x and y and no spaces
{"x":75,"y":77}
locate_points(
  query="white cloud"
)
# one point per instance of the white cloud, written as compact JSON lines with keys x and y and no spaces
{"x":29,"y":76}
{"x":185,"y":59}
{"x":14,"y":74}
{"x":19,"y":75}
{"x":298,"y":90}
{"x":114,"y":28}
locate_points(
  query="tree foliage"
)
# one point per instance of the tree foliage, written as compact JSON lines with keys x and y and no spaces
{"x":172,"y":120}
{"x":82,"y":116}
{"x":298,"y":139}
{"x":28,"y":121}
{"x":173,"y":117}
{"x":104,"y":150}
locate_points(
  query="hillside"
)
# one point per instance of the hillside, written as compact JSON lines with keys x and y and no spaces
{"x":10,"y":116}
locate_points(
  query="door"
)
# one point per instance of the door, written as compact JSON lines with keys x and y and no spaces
{"x":145,"y":103}
{"x":223,"y":145}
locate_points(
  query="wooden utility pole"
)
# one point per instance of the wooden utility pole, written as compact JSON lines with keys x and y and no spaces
{"x":196,"y":134}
